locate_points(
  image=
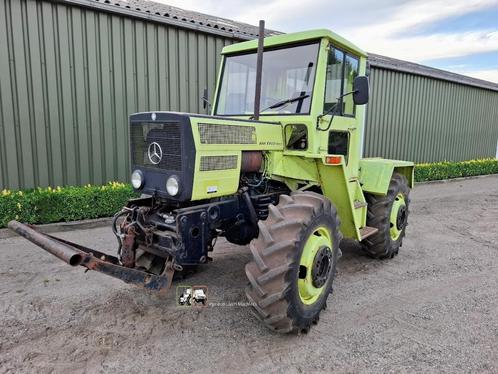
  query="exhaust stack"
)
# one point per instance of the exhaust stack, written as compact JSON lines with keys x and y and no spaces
{"x":259,"y":69}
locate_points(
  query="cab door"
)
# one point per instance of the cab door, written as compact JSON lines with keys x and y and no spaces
{"x":343,"y":137}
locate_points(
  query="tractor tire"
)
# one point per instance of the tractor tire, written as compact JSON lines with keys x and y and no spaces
{"x":294,"y":262}
{"x":389,"y":214}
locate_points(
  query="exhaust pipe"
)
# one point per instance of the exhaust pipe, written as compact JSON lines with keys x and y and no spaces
{"x":59,"y":250}
{"x":259,"y":69}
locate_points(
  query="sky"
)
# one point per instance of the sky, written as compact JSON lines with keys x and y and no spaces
{"x":455,"y":35}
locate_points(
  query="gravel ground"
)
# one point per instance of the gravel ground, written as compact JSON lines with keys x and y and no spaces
{"x":433,"y":308}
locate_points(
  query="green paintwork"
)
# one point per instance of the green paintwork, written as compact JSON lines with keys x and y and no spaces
{"x":293,"y":167}
{"x":398,"y":203}
{"x":343,"y":193}
{"x":375,"y":174}
{"x":321,"y":237}
{"x":295,"y":38}
{"x":216,"y":183}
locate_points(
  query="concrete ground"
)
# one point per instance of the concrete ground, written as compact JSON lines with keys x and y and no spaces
{"x":433,"y":308}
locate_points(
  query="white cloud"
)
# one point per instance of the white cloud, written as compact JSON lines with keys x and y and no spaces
{"x":378,"y":26}
{"x":488,"y":75}
{"x":420,"y":48}
{"x":384,"y":37}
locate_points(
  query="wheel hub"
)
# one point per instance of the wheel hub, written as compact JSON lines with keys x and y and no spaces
{"x":321,"y":266}
{"x":315,"y":265}
{"x":398,"y":217}
{"x":401,"y":218}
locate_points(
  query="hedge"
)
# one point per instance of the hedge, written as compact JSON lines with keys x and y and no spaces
{"x":46,"y":205}
{"x":448,"y":170}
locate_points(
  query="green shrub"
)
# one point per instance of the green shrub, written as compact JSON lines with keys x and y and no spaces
{"x":46,"y":205}
{"x":448,"y":170}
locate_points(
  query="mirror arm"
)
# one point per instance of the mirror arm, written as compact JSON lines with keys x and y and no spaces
{"x":318,"y":122}
{"x":339,"y":100}
{"x":205,"y":101}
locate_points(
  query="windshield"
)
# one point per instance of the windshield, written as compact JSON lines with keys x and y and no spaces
{"x":287,"y":73}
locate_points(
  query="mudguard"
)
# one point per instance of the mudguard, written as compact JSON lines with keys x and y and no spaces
{"x":376,"y":173}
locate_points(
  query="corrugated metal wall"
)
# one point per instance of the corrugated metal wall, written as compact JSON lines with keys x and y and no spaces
{"x":411,"y":117}
{"x":69,"y":78}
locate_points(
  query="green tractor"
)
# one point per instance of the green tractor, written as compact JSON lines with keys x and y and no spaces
{"x":276,"y":166}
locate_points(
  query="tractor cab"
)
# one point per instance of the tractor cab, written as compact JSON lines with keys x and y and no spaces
{"x":313,"y":84}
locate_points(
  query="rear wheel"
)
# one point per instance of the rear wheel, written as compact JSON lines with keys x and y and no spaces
{"x":294,"y":260}
{"x":388,"y":214}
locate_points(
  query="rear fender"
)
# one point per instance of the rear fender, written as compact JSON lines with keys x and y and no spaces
{"x":376,"y":174}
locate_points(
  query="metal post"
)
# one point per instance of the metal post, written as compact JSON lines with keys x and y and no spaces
{"x":259,"y":67}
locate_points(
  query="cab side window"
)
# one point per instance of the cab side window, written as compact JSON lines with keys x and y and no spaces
{"x":333,"y":86}
{"x":350,"y":73}
{"x":342,"y":68}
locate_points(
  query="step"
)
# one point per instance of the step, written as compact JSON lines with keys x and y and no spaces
{"x":367,"y":231}
{"x":359,"y":204}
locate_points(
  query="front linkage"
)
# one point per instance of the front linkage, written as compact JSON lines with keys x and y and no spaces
{"x":75,"y":254}
{"x":156,"y":239}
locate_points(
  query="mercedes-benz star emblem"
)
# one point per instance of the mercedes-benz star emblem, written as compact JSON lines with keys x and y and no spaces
{"x":155,"y":153}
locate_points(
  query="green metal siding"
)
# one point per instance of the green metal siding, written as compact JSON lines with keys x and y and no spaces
{"x":69,"y":78}
{"x":422,"y":119}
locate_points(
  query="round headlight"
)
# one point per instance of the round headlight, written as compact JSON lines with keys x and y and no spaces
{"x":137,"y":179}
{"x":172,"y":185}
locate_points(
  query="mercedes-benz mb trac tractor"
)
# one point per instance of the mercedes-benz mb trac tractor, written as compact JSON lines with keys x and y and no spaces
{"x":276,"y":166}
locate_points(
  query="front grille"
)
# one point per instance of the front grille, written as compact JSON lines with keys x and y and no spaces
{"x":211,"y":133}
{"x":168,"y":138}
{"x":218,"y":163}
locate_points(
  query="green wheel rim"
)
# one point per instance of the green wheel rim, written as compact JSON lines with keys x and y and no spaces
{"x":398,"y":216}
{"x":319,"y":239}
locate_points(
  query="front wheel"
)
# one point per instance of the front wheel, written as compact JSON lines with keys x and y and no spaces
{"x":294,"y":262}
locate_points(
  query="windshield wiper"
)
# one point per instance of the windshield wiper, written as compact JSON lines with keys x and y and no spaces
{"x":286,"y":101}
{"x":281,"y":103}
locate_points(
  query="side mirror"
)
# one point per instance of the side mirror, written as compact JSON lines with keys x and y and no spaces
{"x":360,"y":90}
{"x":204,"y":98}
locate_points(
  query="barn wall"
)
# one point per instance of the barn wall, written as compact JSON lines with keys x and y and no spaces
{"x":69,"y":78}
{"x":422,"y":119}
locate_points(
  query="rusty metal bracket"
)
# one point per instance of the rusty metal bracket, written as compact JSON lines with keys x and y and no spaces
{"x":75,"y":254}
{"x":128,"y":247}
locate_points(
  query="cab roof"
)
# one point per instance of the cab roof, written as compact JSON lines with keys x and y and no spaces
{"x":293,"y":38}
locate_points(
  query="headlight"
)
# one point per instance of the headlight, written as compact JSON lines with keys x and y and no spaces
{"x":172,"y":185}
{"x":137,"y":179}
